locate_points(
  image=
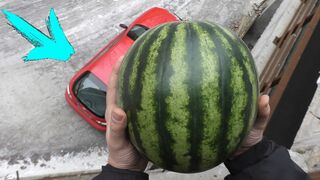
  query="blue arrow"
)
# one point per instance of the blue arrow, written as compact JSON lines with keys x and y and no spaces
{"x":57,"y":47}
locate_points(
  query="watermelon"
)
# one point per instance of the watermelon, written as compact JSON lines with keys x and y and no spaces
{"x":190,"y":92}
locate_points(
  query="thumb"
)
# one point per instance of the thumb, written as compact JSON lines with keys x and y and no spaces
{"x":118,"y":122}
{"x":264,"y":112}
{"x":116,"y":135}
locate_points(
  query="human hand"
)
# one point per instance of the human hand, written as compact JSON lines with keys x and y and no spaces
{"x":255,"y":135}
{"x":122,"y":154}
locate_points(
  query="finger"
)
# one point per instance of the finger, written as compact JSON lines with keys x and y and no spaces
{"x":264,"y":112}
{"x":113,"y":81}
{"x":116,"y":137}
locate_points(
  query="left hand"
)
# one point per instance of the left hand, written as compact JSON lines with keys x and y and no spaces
{"x":122,"y":154}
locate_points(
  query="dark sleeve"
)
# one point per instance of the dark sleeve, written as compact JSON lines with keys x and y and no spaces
{"x":265,"y":161}
{"x":112,"y":173}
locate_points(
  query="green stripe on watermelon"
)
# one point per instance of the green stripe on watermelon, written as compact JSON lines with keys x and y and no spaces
{"x":125,"y":70}
{"x":178,"y":100}
{"x":250,"y":66}
{"x":225,"y":92}
{"x":124,"y":96}
{"x":194,"y":82}
{"x":146,"y":87}
{"x":163,"y":73}
{"x":241,"y":88}
{"x":132,"y":103}
{"x":149,"y":101}
{"x":210,"y":92}
{"x":246,"y":61}
{"x":136,"y":62}
{"x":235,"y":124}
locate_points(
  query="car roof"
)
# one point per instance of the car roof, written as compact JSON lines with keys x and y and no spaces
{"x":153,"y":16}
{"x":101,"y":65}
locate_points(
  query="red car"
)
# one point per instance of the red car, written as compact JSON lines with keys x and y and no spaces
{"x":86,"y":92}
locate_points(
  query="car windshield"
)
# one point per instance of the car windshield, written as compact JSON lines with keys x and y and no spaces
{"x":137,"y":31}
{"x":91,"y":92}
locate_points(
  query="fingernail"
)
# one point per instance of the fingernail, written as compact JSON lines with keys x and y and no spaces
{"x":116,"y":117}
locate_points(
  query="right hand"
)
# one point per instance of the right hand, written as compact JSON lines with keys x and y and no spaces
{"x":255,"y":135}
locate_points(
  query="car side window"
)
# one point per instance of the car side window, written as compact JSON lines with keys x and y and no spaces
{"x":137,"y":31}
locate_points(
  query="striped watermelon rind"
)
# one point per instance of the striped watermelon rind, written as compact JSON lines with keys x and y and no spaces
{"x":190,"y":92}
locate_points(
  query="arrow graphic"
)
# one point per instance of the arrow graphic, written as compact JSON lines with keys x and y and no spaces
{"x":56,"y":47}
